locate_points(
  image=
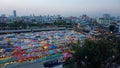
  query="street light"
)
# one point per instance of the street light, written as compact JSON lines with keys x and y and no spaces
{"x":86,"y":57}
{"x":113,"y":56}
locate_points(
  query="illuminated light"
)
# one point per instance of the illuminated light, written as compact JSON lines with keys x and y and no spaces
{"x":1,"y":50}
{"x":72,"y":30}
{"x":111,"y":32}
{"x":73,"y":51}
{"x":19,"y":60}
{"x":45,"y":47}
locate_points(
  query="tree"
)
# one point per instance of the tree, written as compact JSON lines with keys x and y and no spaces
{"x":3,"y":25}
{"x":118,"y":46}
{"x":60,"y":22}
{"x":112,"y":28}
{"x":93,"y":53}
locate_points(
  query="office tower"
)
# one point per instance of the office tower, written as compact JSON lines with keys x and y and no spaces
{"x":3,"y":15}
{"x":106,"y":16}
{"x":14,"y":13}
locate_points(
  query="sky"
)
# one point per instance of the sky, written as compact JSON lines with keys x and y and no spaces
{"x":62,"y":7}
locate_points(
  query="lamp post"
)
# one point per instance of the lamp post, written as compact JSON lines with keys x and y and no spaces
{"x":113,"y":56}
{"x":86,"y":57}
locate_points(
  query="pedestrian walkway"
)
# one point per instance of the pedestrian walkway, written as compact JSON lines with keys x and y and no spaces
{"x":33,"y":65}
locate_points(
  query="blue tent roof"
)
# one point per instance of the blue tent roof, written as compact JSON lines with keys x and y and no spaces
{"x":51,"y":52}
{"x":8,"y":50}
{"x":52,"y":47}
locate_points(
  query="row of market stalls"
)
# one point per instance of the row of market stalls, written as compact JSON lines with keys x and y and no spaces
{"x":31,"y":46}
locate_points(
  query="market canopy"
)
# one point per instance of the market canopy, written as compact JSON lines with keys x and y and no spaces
{"x":7,"y":60}
{"x":46,"y":44}
{"x":51,"y":51}
{"x":8,"y":50}
{"x":52,"y":46}
{"x":67,"y":55}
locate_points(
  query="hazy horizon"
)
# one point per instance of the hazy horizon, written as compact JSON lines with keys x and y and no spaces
{"x":63,"y":7}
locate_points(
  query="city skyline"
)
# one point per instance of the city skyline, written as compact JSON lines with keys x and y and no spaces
{"x":63,"y":7}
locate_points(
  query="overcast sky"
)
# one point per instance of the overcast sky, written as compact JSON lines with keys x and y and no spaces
{"x":63,"y":7}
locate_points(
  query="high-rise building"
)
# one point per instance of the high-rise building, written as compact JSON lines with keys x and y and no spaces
{"x":14,"y":13}
{"x":3,"y":15}
{"x":106,"y":16}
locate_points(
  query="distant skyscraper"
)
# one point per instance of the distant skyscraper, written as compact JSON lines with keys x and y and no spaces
{"x":106,"y":16}
{"x":3,"y":15}
{"x":14,"y":13}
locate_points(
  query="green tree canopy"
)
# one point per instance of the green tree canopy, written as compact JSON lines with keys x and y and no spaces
{"x":111,"y":27}
{"x":93,"y":52}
